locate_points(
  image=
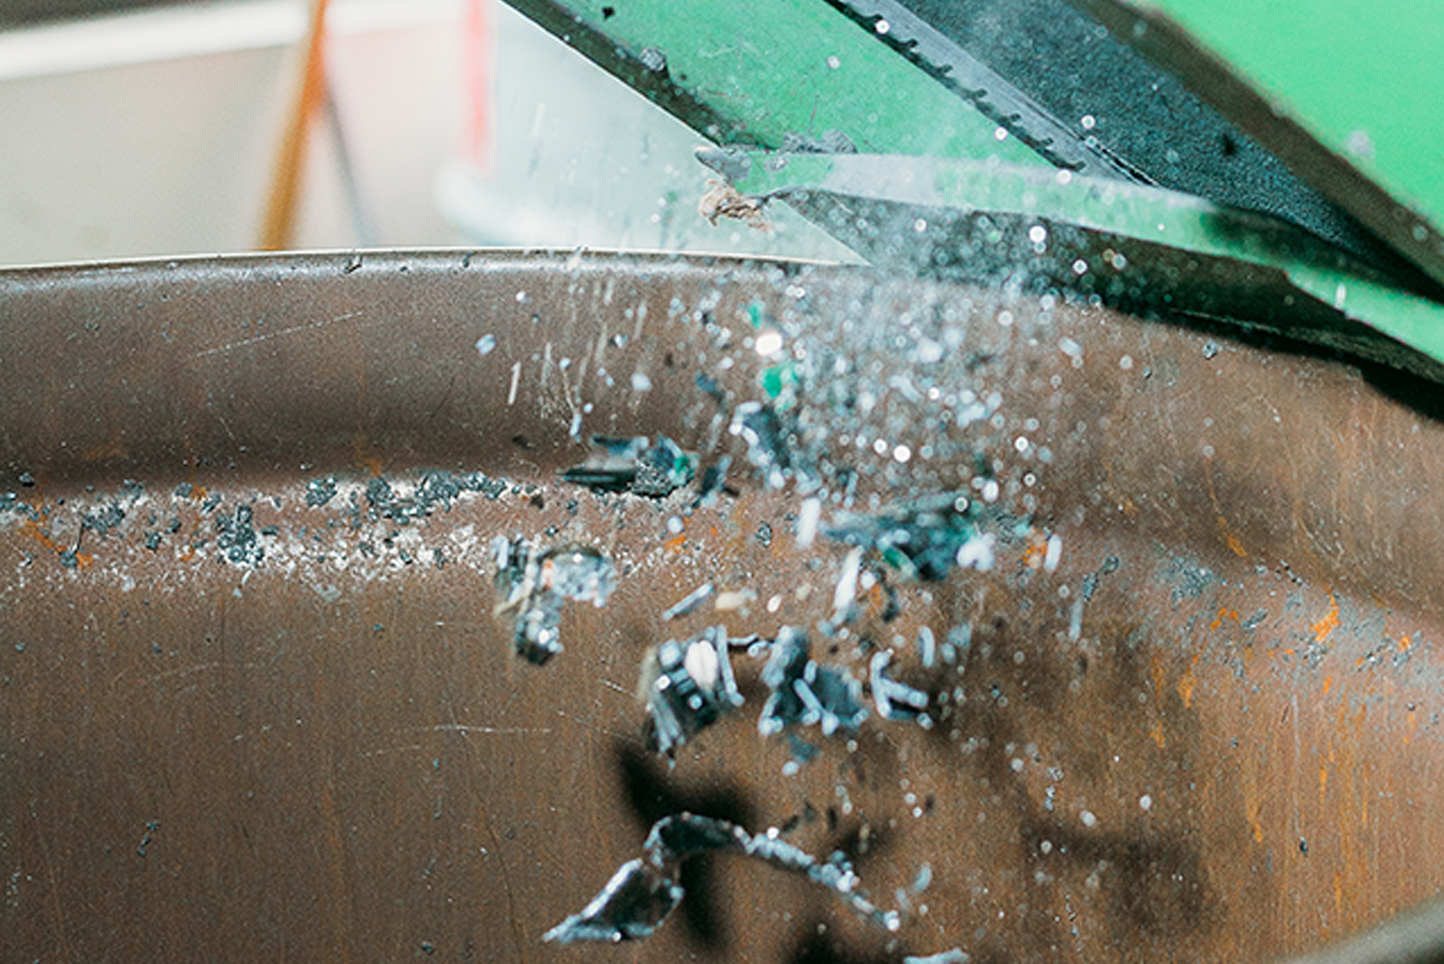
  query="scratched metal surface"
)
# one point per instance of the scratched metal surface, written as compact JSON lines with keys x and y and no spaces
{"x":297,"y":732}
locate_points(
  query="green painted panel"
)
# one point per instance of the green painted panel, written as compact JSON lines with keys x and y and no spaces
{"x":796,"y":66}
{"x":1367,"y":80}
{"x":1145,"y":247}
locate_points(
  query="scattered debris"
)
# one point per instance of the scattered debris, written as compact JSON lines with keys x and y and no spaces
{"x":804,"y":693}
{"x":686,"y":686}
{"x":927,"y":647}
{"x":536,"y":583}
{"x":436,"y":489}
{"x":924,"y":538}
{"x":634,"y":465}
{"x":714,"y":482}
{"x":734,"y":600}
{"x":320,"y":491}
{"x":831,"y":141}
{"x":644,"y":891}
{"x":894,"y":700}
{"x":689,"y":603}
{"x":722,"y":200}
{"x":238,"y":541}
{"x":766,"y":438}
{"x":807,"y":521}
{"x":845,"y":594}
{"x":954,"y":956}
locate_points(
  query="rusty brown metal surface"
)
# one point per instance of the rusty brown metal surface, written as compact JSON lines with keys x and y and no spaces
{"x":238,"y":725}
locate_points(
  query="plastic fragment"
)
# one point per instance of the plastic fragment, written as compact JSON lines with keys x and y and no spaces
{"x":924,"y":538}
{"x":804,"y":693}
{"x":536,"y":583}
{"x":894,"y":700}
{"x":634,"y":465}
{"x":954,"y":956}
{"x":687,"y":686}
{"x":643,"y":891}
{"x":762,"y":430}
{"x":689,"y":603}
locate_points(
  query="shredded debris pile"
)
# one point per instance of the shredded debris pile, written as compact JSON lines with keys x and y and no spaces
{"x":923,"y":538}
{"x":634,"y":465}
{"x":644,"y":891}
{"x":805,"y":693}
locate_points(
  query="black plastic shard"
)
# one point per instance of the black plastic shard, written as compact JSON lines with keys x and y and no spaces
{"x":630,"y":907}
{"x":643,"y":891}
{"x":634,"y":465}
{"x":924,"y":538}
{"x":687,"y":686}
{"x":683,"y":835}
{"x":536,"y":583}
{"x":766,"y":438}
{"x":804,"y":693}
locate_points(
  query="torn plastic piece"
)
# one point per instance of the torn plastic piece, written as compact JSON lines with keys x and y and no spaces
{"x":536,"y":583}
{"x":714,"y":482}
{"x":924,"y":538}
{"x":629,"y":908}
{"x":927,"y":647}
{"x":954,"y":956}
{"x":687,"y":686}
{"x":643,"y":891}
{"x":896,"y":701}
{"x":762,"y":430}
{"x":804,"y":693}
{"x":690,"y":602}
{"x":845,"y":594}
{"x":634,"y":465}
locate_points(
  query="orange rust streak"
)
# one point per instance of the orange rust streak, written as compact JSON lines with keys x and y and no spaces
{"x":1329,"y":623}
{"x":32,"y":529}
{"x":675,"y":543}
{"x":1222,"y":615}
{"x":1158,"y":735}
{"x":1404,"y":644}
{"x":1328,"y":684}
{"x":1187,"y":683}
{"x":1229,"y":538}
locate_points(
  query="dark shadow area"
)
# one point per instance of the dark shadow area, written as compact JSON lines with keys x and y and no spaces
{"x":651,"y":795}
{"x":823,"y":948}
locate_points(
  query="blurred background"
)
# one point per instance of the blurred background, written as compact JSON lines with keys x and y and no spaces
{"x":157,"y":129}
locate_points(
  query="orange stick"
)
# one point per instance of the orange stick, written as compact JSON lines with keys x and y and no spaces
{"x":279,"y":228}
